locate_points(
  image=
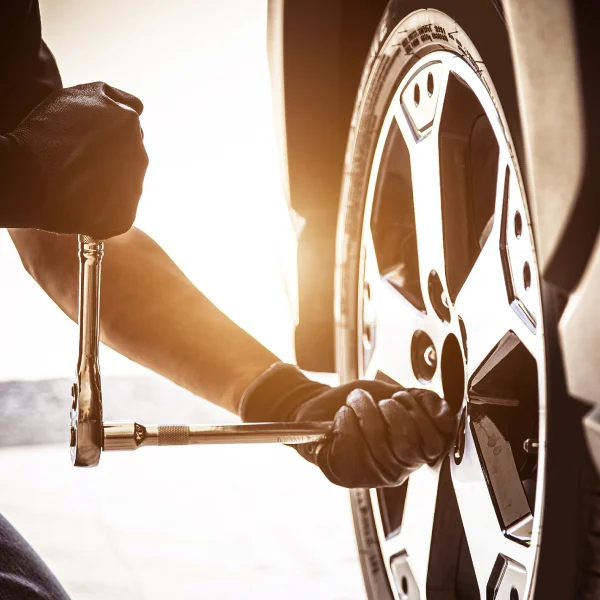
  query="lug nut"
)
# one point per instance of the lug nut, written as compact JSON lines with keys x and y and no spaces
{"x":423,"y":356}
{"x":430,"y":356}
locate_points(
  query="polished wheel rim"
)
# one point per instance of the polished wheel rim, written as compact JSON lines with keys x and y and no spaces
{"x":450,"y":300}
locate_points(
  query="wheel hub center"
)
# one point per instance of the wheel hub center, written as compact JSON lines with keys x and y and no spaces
{"x":453,"y":373}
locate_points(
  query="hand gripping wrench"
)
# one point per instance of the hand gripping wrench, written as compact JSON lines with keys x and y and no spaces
{"x":90,"y":435}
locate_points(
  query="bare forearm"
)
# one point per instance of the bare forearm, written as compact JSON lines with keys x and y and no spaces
{"x":151,"y":313}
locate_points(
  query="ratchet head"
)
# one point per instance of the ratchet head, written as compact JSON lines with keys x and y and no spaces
{"x":86,"y":423}
{"x":86,"y":410}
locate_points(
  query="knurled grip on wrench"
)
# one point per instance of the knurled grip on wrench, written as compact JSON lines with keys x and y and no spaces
{"x":90,"y":436}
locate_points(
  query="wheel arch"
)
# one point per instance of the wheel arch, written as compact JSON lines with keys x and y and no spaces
{"x":317,"y":51}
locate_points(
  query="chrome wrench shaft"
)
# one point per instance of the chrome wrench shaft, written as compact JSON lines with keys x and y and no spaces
{"x":127,"y":435}
{"x":86,"y":410}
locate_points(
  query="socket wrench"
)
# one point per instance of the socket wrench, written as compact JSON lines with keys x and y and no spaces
{"x":90,"y":435}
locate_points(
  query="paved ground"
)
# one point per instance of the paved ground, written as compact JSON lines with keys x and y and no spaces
{"x":207,"y":522}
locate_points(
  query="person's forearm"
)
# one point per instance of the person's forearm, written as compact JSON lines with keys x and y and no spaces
{"x":151,"y":313}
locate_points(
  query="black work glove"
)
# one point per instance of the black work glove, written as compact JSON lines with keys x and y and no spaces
{"x":75,"y":164}
{"x":381,"y":432}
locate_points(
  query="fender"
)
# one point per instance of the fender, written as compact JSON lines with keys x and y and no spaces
{"x":317,"y":50}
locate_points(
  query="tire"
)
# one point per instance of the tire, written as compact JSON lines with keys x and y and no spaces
{"x":558,"y":483}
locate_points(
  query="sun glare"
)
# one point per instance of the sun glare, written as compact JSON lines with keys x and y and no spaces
{"x":212,"y":195}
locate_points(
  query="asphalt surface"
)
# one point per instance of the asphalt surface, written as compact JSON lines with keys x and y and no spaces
{"x":219,"y":522}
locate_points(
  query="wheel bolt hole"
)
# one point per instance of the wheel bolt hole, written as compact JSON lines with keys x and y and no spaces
{"x":461,"y":434}
{"x":527,"y":276}
{"x":423,"y":356}
{"x":518,"y":225}
{"x":404,"y":585}
{"x":439,"y":298}
{"x":514,"y":594}
{"x":417,"y":94}
{"x":463,"y":335}
{"x":430,"y":85}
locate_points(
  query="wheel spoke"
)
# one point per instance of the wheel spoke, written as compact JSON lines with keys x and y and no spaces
{"x":483,"y":304}
{"x":397,"y":320}
{"x":390,"y":320}
{"x":484,"y":535}
{"x":516,"y":247}
{"x":428,"y":210}
{"x":425,"y":171}
{"x":370,"y":296}
{"x":414,"y":536}
{"x":501,"y":344}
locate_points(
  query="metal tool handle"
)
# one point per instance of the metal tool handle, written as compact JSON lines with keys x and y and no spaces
{"x":86,"y":412}
{"x":127,"y":435}
{"x":89,"y":436}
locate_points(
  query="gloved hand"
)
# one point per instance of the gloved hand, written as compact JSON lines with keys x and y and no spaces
{"x":75,"y":164}
{"x":381,"y":432}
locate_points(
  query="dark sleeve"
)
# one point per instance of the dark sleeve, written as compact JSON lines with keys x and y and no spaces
{"x":28,"y":71}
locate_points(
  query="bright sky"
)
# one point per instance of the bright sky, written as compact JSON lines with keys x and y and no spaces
{"x":212,"y":195}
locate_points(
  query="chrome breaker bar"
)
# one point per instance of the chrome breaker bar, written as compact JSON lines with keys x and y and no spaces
{"x":90,"y":435}
{"x":127,"y":435}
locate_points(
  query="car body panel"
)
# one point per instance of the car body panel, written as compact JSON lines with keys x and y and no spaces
{"x":555,"y":54}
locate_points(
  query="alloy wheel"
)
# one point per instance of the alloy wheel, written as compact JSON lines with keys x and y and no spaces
{"x":450,"y":300}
